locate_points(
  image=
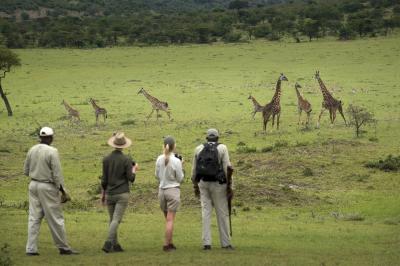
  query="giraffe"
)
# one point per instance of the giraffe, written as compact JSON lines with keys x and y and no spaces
{"x":274,"y":107}
{"x":98,"y":110}
{"x":155,"y":104}
{"x":71,"y":111}
{"x":302,"y":104}
{"x":257,"y":107}
{"x":329,"y":103}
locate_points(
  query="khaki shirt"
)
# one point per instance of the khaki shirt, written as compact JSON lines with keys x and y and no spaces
{"x":43,"y":164}
{"x":223,"y":157}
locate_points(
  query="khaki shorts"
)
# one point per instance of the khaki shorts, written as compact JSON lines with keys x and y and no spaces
{"x":170,"y":199}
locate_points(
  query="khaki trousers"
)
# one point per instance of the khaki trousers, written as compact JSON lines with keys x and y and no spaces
{"x":44,"y":201}
{"x":116,"y":205}
{"x":214,"y":194}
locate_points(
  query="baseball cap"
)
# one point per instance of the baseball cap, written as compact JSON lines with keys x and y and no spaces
{"x":46,"y":131}
{"x":212,"y":133}
{"x":170,"y":141}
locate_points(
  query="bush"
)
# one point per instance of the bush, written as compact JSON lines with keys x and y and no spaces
{"x":128,"y":122}
{"x":391,"y":163}
{"x":308,"y":172}
{"x":267,"y":149}
{"x":281,"y":143}
{"x":245,"y":149}
{"x":232,"y":37}
{"x":5,"y":259}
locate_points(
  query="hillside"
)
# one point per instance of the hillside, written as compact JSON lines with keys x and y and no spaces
{"x":114,"y":7}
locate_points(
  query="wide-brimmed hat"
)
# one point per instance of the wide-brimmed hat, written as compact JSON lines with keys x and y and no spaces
{"x":118,"y":140}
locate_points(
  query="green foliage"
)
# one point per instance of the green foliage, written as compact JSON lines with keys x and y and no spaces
{"x":308,"y":172}
{"x":267,"y":149}
{"x":359,"y":116}
{"x":5,"y":259}
{"x":245,"y":149}
{"x":390,"y":163}
{"x":8,"y":59}
{"x":110,"y":23}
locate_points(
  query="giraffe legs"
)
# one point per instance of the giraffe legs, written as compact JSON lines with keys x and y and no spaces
{"x":169,"y":115}
{"x":97,"y":119}
{"x":277,"y":120}
{"x":341,"y":113}
{"x":152,"y":110}
{"x":308,"y":118}
{"x":253,"y":114}
{"x":266,"y":119}
{"x":298,"y":122}
{"x":319,"y":118}
{"x":273,"y":120}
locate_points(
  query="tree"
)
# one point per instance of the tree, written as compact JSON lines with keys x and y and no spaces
{"x":8,"y":59}
{"x":359,"y":116}
{"x":310,"y":27}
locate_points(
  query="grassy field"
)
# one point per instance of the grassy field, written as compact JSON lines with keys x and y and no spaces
{"x":303,"y":195}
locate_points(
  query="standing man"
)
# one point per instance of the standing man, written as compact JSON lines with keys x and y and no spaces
{"x":43,"y":166}
{"x":209,"y":173}
{"x":118,"y":171}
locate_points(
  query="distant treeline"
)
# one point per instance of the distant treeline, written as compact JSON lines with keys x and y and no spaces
{"x":237,"y":21}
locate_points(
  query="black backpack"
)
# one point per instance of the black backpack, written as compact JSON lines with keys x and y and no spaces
{"x":208,"y":167}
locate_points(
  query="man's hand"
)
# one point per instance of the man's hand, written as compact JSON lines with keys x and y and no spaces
{"x":65,"y":197}
{"x":135,"y":168}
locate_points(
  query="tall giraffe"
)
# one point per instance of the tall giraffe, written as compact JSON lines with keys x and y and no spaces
{"x":257,"y":107}
{"x":274,"y":107}
{"x":71,"y":111}
{"x":302,"y":104}
{"x":155,"y":104}
{"x":98,"y":110}
{"x":329,"y":103}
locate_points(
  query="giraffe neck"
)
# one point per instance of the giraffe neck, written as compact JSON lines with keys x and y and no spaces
{"x":68,"y":107}
{"x":277,"y":94}
{"x":95,"y":106}
{"x":149,"y":97}
{"x":298,"y":93}
{"x":255,"y":101}
{"x":325,"y":93}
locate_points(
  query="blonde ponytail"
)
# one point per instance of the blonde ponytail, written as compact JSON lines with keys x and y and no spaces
{"x":169,"y":146}
{"x":167,"y":153}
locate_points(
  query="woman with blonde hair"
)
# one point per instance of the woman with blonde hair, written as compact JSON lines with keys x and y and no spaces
{"x":169,"y":173}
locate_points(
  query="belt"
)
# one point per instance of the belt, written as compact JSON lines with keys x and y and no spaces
{"x":42,"y":181}
{"x":169,"y":188}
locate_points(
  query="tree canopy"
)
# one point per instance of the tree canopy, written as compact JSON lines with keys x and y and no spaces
{"x":88,"y":23}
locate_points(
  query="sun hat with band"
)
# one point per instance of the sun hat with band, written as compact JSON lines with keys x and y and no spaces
{"x":118,"y":140}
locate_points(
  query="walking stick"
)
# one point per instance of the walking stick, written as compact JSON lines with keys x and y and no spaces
{"x":229,"y":195}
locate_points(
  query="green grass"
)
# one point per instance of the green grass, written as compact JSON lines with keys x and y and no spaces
{"x":308,"y":197}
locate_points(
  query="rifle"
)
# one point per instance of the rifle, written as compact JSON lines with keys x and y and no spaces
{"x":229,"y":194}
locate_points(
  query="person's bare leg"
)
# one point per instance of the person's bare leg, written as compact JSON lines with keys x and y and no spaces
{"x":169,"y":227}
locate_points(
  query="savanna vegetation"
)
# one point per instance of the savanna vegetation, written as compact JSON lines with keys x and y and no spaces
{"x":85,"y":24}
{"x":303,"y":196}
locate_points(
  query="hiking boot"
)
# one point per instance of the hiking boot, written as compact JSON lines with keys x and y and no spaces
{"x":32,"y":254}
{"x":68,"y":252}
{"x":172,"y":246}
{"x":107,"y":247}
{"x":207,"y":247}
{"x":118,"y":248}
{"x":167,"y":248}
{"x":229,"y":247}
